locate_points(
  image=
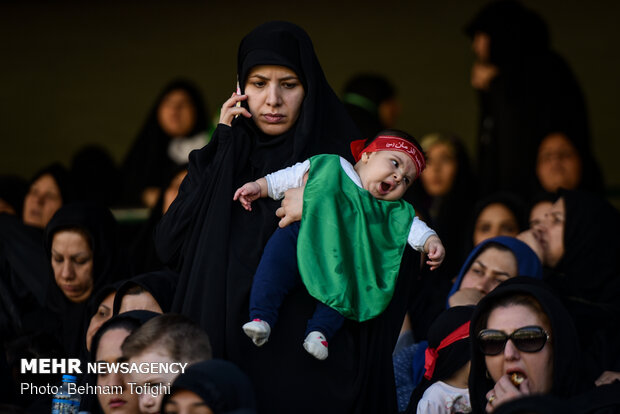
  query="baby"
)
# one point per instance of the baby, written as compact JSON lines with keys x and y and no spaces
{"x":349,"y":243}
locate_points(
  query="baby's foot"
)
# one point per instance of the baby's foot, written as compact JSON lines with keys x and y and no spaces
{"x":316,"y":345}
{"x":258,"y":330}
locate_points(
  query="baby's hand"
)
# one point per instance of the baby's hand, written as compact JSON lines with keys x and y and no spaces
{"x":248,"y":193}
{"x":435,"y":251}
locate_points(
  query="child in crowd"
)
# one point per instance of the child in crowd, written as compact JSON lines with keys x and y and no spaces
{"x":349,"y":243}
{"x":444,"y":387}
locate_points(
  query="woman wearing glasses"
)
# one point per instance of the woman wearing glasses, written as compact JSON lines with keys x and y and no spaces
{"x":524,"y":343}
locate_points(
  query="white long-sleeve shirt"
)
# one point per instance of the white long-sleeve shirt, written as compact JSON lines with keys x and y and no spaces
{"x":293,"y":177}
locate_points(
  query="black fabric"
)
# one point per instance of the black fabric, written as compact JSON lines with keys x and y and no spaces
{"x":96,"y":176}
{"x":568,"y":379}
{"x":534,"y":93}
{"x":216,"y":246}
{"x":160,"y":284}
{"x":587,"y":277}
{"x":24,"y":280}
{"x":449,"y":359}
{"x":221,"y":385}
{"x":147,"y":163}
{"x":109,"y":265}
{"x":142,"y":254}
{"x":13,"y":189}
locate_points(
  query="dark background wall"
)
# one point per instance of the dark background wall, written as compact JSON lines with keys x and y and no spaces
{"x":78,"y":73}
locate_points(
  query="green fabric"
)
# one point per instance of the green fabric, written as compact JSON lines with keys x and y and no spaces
{"x":350,"y":244}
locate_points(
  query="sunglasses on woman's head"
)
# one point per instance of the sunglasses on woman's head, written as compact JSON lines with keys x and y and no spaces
{"x":526,"y":339}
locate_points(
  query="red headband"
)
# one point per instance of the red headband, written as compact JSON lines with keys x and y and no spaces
{"x":390,"y":143}
{"x":430,"y":357}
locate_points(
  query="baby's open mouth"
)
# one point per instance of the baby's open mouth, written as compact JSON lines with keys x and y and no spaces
{"x":385,"y":187}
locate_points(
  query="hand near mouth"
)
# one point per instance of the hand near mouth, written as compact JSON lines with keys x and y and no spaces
{"x":504,"y":391}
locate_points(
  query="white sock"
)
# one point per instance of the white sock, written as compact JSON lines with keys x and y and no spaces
{"x":258,"y":330}
{"x":316,"y":345}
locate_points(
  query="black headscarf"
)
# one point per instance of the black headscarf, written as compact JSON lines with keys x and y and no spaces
{"x":567,"y":364}
{"x":63,"y":180}
{"x":449,"y":359}
{"x":216,"y":245}
{"x":221,"y":385}
{"x":12,"y":191}
{"x":147,"y":163}
{"x":109,"y":265}
{"x":587,"y":277}
{"x":160,"y":284}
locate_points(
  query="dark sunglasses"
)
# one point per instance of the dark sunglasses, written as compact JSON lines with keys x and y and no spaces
{"x":526,"y":339}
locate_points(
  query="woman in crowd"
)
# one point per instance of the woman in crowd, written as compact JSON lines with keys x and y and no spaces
{"x":564,"y":162}
{"x":84,"y":253}
{"x":524,"y":342}
{"x":490,"y":263}
{"x":50,"y":188}
{"x":100,"y":308}
{"x":106,"y":347}
{"x":288,"y":112}
{"x":210,"y":387}
{"x":177,"y":124}
{"x":499,"y":214}
{"x":153,"y":291}
{"x":579,"y":243}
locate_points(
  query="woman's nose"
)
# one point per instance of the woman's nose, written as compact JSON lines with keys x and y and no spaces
{"x":510,"y":351}
{"x":485,"y":284}
{"x":274,"y":97}
{"x":67,"y":270}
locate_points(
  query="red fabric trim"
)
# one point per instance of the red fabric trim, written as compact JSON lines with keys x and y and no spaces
{"x":430,"y":356}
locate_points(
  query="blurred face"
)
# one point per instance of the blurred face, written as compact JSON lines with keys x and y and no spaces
{"x":72,"y":262}
{"x":552,"y":234}
{"x":389,"y":111}
{"x":42,"y":201}
{"x":148,"y":402}
{"x":558,"y":164}
{"x":489,"y":269}
{"x":538,"y":213}
{"x":173,"y":190}
{"x":104,"y":312}
{"x":186,"y":402}
{"x":275,"y":95}
{"x":495,"y":220}
{"x":176,"y":113}
{"x":441,"y":165}
{"x":386,"y":174}
{"x":109,"y":351}
{"x":141,"y":301}
{"x":536,"y":367}
{"x":481,"y":46}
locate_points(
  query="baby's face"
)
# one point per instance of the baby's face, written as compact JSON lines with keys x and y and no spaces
{"x":386,"y":174}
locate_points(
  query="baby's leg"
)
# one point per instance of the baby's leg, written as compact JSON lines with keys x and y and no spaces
{"x":324,"y":324}
{"x":277,"y":274}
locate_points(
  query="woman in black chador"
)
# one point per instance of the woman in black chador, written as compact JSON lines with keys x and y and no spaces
{"x":216,"y":245}
{"x":526,"y":90}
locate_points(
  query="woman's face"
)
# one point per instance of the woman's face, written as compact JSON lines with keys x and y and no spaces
{"x":72,"y":262}
{"x":495,"y":220}
{"x":489,"y":269}
{"x":42,"y":201}
{"x":140,"y":301}
{"x":275,"y":95}
{"x":552,"y":234}
{"x":538,"y":214}
{"x":558,"y":164}
{"x":536,"y":367}
{"x":176,"y":113}
{"x":109,"y":350}
{"x":186,"y":402}
{"x":104,"y":312}
{"x":441,"y":166}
